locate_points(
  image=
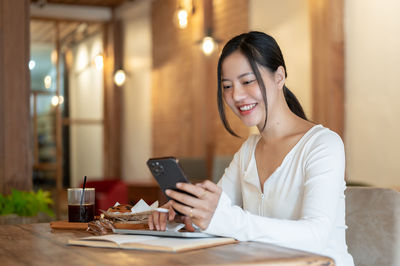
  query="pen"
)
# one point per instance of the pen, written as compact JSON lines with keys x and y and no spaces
{"x":161,"y":210}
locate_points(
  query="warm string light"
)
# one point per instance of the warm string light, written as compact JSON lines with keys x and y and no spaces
{"x":57,"y":100}
{"x":99,"y":62}
{"x":32,"y":64}
{"x":47,"y":81}
{"x":119,"y":77}
{"x":208,"y":45}
{"x":53,"y":57}
{"x":182,"y":18}
{"x":182,"y":14}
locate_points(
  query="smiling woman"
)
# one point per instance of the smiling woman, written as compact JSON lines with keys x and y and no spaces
{"x":284,"y":186}
{"x":246,"y":64}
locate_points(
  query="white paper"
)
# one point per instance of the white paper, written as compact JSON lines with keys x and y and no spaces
{"x":173,"y":226}
{"x":121,"y":239}
{"x":140,"y":206}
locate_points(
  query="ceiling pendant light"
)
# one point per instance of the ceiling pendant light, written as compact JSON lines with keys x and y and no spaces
{"x":120,"y":77}
{"x":181,"y":18}
{"x":208,"y":45}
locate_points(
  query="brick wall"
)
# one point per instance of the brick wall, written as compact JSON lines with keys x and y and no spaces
{"x":184,"y":109}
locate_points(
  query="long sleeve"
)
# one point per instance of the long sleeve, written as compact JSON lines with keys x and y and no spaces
{"x":322,"y":178}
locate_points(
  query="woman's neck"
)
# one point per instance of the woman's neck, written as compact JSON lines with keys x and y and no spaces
{"x":281,"y":123}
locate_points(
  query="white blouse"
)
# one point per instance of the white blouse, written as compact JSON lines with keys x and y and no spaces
{"x":302,"y":206}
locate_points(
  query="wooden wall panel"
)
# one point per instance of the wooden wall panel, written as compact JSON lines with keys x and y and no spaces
{"x":184,"y":81}
{"x":2,"y":112}
{"x":230,"y":19}
{"x":178,"y":107}
{"x":112,"y":42}
{"x":328,"y":63}
{"x":15,"y":135}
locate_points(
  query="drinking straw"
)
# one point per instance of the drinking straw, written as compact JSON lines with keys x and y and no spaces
{"x":82,"y":210}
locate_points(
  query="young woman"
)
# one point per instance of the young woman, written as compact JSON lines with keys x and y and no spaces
{"x":284,"y":186}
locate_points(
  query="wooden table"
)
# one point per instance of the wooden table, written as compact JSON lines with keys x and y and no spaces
{"x":38,"y":244}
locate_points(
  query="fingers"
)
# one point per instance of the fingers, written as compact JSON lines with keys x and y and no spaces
{"x":190,"y":188}
{"x":163,"y":221}
{"x":188,"y":223}
{"x":200,"y":185}
{"x":171,"y":214}
{"x":158,"y":220}
{"x":195,"y":190}
{"x":198,"y":189}
{"x":181,"y":197}
{"x":150,"y":222}
{"x":186,"y":210}
{"x":208,"y":185}
{"x":198,"y":208}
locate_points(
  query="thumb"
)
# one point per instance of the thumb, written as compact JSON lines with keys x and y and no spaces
{"x":188,"y":223}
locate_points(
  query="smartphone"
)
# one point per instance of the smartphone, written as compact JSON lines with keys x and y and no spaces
{"x":168,"y":172}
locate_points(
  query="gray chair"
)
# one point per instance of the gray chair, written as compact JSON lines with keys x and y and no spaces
{"x":219,"y":164}
{"x":195,"y":168}
{"x":373,"y":220}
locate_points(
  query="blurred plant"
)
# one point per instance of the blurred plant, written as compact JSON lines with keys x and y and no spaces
{"x":26,"y":203}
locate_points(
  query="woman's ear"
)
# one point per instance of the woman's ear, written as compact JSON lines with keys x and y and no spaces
{"x":280,"y":77}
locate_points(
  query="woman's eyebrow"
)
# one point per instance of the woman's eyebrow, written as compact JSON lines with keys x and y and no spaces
{"x":245,"y":74}
{"x":240,"y":76}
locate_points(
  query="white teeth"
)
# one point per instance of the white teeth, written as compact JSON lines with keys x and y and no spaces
{"x":247,"y":107}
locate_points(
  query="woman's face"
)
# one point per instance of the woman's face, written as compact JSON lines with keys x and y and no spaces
{"x":241,"y":91}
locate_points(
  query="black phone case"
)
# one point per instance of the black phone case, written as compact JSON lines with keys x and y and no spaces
{"x":167,"y":172}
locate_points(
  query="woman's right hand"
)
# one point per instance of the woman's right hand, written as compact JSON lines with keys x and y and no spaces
{"x":158,"y":220}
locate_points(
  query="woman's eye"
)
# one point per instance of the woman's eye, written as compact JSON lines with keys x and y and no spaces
{"x":226,"y":87}
{"x":248,"y":82}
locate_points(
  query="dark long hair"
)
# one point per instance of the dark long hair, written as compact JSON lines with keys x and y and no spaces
{"x":259,"y":49}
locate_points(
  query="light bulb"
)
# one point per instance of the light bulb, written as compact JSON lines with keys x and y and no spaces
{"x":208,"y":45}
{"x":32,"y":64}
{"x":182,"y":16}
{"x":47,"y":82}
{"x":119,"y":77}
{"x":98,"y":61}
{"x":54,"y":100}
{"x":53,"y":57}
{"x":57,"y":100}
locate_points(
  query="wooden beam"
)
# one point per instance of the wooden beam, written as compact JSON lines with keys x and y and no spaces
{"x":328,"y":63}
{"x":35,"y":130}
{"x":66,"y":20}
{"x":15,"y":132}
{"x":112,"y":44}
{"x":59,"y":137}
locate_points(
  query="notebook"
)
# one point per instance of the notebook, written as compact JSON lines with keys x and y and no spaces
{"x":154,"y":243}
{"x":168,"y":233}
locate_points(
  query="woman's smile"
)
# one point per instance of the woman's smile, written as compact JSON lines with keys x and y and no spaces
{"x":246,"y":109}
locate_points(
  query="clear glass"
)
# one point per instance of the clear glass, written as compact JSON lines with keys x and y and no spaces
{"x":81,"y":205}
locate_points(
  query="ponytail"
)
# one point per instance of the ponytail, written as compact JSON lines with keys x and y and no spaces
{"x":293,"y":103}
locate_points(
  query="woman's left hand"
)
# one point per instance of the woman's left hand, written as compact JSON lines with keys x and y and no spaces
{"x":200,"y":208}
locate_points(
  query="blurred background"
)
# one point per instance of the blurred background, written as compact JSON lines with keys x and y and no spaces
{"x":96,"y":87}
